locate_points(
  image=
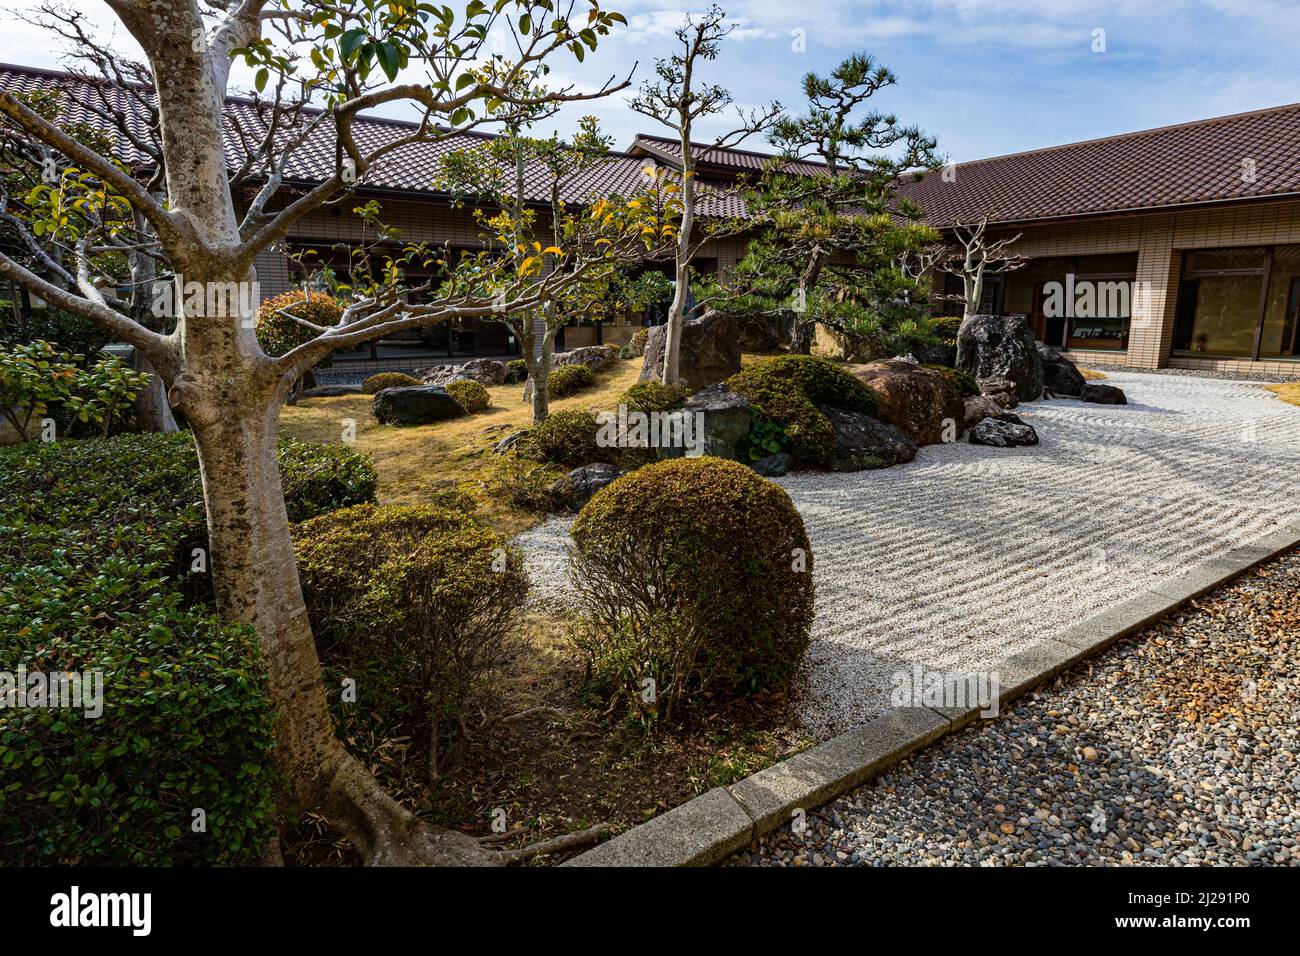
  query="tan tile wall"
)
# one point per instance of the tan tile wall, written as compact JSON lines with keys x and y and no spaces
{"x":1159,"y":241}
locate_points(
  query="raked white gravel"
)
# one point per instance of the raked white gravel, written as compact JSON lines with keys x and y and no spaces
{"x":970,"y":553}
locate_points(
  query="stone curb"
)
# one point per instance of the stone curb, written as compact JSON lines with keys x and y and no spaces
{"x":716,"y":824}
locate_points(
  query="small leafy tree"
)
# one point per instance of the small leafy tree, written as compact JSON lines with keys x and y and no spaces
{"x":498,"y":173}
{"x":36,"y":378}
{"x":678,"y":100}
{"x":833,"y":230}
{"x":973,"y":256}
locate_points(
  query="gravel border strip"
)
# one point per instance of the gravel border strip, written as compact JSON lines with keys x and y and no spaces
{"x":714,"y":825}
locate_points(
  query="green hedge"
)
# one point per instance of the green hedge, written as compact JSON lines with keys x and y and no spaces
{"x":696,"y":573}
{"x":788,"y":389}
{"x":569,"y":380}
{"x":95,"y":545}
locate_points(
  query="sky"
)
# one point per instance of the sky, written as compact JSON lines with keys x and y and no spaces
{"x":986,"y":77}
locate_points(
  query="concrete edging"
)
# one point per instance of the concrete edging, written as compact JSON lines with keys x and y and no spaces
{"x":716,"y":824}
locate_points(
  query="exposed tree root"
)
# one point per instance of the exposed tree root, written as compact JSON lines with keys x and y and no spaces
{"x":565,"y":842}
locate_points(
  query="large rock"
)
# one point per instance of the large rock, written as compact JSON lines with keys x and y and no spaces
{"x":978,"y":408}
{"x":415,"y":405}
{"x":757,"y":333}
{"x":1001,"y":346}
{"x":1060,"y":374}
{"x":1000,"y":390}
{"x":920,"y":401}
{"x":576,"y":488}
{"x":727,"y":418}
{"x":1103,"y":394}
{"x":710,"y":351}
{"x":863,"y":442}
{"x":483,"y":371}
{"x":1004,"y":431}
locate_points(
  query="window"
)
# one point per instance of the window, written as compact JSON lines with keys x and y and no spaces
{"x":1240,"y":303}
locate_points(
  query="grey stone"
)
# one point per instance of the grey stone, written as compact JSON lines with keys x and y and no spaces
{"x":978,"y":408}
{"x":1100,"y":394}
{"x":1001,"y":346}
{"x":577,"y":487}
{"x":1024,"y":670}
{"x":1004,"y":431}
{"x":415,"y":405}
{"x":863,"y":442}
{"x":1102,"y":630}
{"x":836,"y":766}
{"x":330,"y":391}
{"x":1059,"y":373}
{"x":1000,"y":391}
{"x":773,"y":466}
{"x":727,"y":418}
{"x":699,"y":832}
{"x":510,"y":441}
{"x":483,"y":371}
{"x":709,"y":353}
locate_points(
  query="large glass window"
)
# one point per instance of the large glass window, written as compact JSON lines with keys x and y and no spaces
{"x":1078,"y":302}
{"x":1240,"y":303}
{"x":1280,"y":337}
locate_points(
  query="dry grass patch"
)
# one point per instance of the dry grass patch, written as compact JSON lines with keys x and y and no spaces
{"x":1091,"y":374}
{"x":1289,"y":392}
{"x":415,"y":461}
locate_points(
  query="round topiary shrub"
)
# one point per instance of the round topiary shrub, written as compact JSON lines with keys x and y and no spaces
{"x":516,"y":371}
{"x":414,"y":603}
{"x":655,"y":396}
{"x":471,"y":395}
{"x":277,"y":333}
{"x":569,"y":380}
{"x":789,"y":388}
{"x":383,"y":380}
{"x":567,"y":438}
{"x":697,"y":574}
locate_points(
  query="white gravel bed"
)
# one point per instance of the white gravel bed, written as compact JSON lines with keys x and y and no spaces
{"x":969,"y":553}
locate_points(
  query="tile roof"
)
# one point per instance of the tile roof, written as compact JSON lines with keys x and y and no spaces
{"x":410,"y":168}
{"x":730,"y":158}
{"x":1200,"y":162}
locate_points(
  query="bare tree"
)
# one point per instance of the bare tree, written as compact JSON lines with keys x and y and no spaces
{"x":678,"y":100}
{"x":973,"y":257}
{"x":348,"y":55}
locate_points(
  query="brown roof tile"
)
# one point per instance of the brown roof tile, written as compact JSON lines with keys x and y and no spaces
{"x":1201,"y":162}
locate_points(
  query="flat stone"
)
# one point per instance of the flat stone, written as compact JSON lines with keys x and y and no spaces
{"x":1102,"y":630}
{"x":1024,"y":670}
{"x":836,"y":766}
{"x":1202,"y":578}
{"x":699,"y":832}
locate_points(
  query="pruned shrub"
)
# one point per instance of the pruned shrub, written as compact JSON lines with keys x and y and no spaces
{"x":962,"y":381}
{"x":413,"y":603}
{"x":98,"y":572}
{"x":788,"y":389}
{"x":524,"y":482}
{"x":516,"y":371}
{"x":567,"y":438}
{"x":469,"y":394}
{"x":383,"y":380}
{"x":278,"y":333}
{"x":569,"y":380}
{"x":696,"y":574}
{"x":655,"y":396}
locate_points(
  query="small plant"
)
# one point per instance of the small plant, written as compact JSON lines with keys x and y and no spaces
{"x":471,"y":395}
{"x":36,"y":379}
{"x":765,"y":437}
{"x":569,"y":380}
{"x":567,"y":438}
{"x":383,"y":380}
{"x":962,"y":381}
{"x":655,"y":397}
{"x":516,"y":371}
